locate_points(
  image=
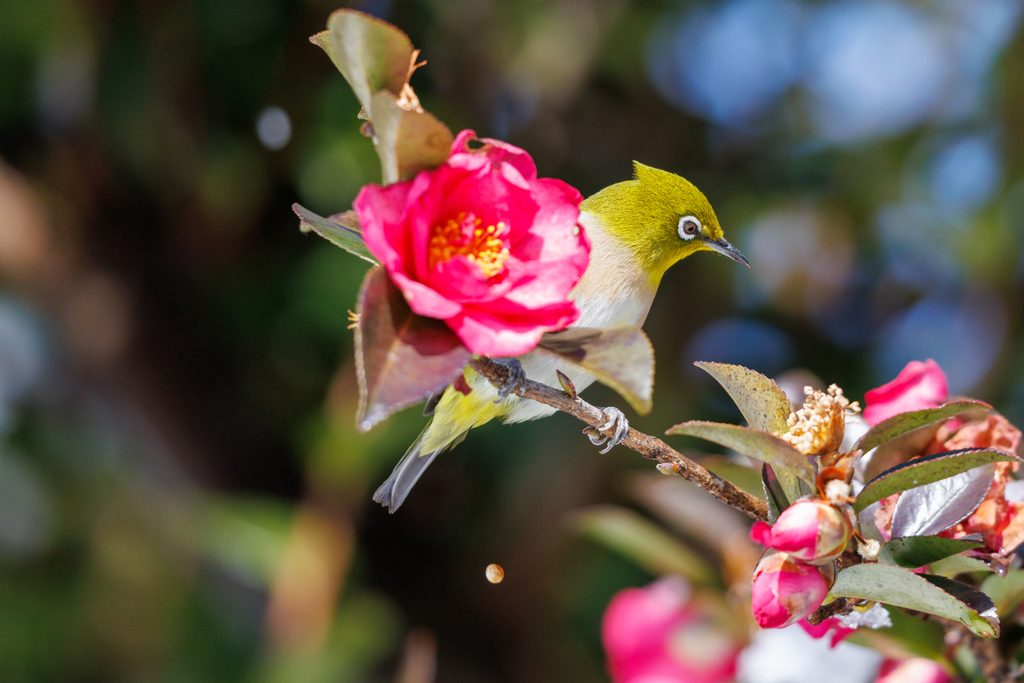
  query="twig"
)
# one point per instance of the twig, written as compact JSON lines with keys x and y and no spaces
{"x":648,"y":446}
{"x":837,"y":606}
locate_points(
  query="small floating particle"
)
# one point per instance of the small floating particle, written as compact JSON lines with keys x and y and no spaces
{"x":494,"y":573}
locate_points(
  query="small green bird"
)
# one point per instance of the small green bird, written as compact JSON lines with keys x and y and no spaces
{"x":638,"y":229}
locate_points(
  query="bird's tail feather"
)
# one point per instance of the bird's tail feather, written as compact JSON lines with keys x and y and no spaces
{"x":393,"y":492}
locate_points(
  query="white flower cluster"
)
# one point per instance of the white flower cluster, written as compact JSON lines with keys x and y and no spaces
{"x":817,"y":428}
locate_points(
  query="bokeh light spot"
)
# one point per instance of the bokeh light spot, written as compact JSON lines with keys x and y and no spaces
{"x":876,"y":68}
{"x":274,"y":128}
{"x":963,"y":334}
{"x":750,"y":343}
{"x":494,"y":573}
{"x":965,"y":173}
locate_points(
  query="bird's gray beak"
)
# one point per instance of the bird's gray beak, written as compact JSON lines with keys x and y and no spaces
{"x":723,"y":247}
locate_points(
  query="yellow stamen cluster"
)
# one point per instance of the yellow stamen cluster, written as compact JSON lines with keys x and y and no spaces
{"x":482,"y":247}
{"x":818,"y":427}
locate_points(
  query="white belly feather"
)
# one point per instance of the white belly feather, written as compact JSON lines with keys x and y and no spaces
{"x":615,"y":291}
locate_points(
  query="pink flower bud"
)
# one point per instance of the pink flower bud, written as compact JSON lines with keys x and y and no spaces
{"x":914,"y":670}
{"x":812,"y":531}
{"x":786,"y":590}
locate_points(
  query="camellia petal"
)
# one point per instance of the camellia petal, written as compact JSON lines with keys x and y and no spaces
{"x":379,"y":210}
{"x":493,"y":152}
{"x":919,"y":385}
{"x":480,"y":335}
{"x":425,"y":301}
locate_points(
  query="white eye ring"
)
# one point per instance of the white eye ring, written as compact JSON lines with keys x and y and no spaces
{"x":689,"y":227}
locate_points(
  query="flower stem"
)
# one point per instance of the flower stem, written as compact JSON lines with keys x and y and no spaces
{"x":648,"y":446}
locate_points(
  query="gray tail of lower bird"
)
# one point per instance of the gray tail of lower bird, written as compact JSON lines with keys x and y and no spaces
{"x":393,"y":492}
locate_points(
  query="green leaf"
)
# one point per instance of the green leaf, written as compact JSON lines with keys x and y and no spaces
{"x":635,"y":537}
{"x":620,"y":357}
{"x":1007,"y":592}
{"x":752,"y":443}
{"x":958,"y":564}
{"x":763,"y":404}
{"x":932,"y":594}
{"x":897,"y":425}
{"x":371,"y":54}
{"x":776,"y":497}
{"x":407,"y":141}
{"x":926,"y":470}
{"x":341,"y":230}
{"x":401,"y":358}
{"x":917,"y":551}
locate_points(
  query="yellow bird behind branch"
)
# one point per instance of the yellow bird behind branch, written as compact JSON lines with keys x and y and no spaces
{"x":638,"y":229}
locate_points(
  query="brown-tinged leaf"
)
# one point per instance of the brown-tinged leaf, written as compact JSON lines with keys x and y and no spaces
{"x":567,"y":385}
{"x":903,"y":588}
{"x":903,"y":423}
{"x":620,"y":357}
{"x":407,"y":141}
{"x":371,"y":54}
{"x":764,"y":405}
{"x":926,"y":470}
{"x":401,"y":358}
{"x":752,"y":443}
{"x":341,"y":230}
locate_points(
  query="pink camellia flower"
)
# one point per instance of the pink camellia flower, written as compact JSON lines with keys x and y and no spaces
{"x":812,"y":531}
{"x":655,"y":635}
{"x":913,"y":670}
{"x":919,"y":385}
{"x":785,"y":590}
{"x":482,"y":243}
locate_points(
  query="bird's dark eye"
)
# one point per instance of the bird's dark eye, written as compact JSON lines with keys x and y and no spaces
{"x":689,"y":226}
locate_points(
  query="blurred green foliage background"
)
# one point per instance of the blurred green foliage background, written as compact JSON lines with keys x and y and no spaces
{"x":183,"y":495}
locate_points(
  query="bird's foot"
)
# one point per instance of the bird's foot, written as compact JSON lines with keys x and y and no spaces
{"x":516,"y":377}
{"x":614,"y":419}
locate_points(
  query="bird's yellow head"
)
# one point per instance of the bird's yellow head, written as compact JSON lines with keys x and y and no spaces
{"x":661,"y":218}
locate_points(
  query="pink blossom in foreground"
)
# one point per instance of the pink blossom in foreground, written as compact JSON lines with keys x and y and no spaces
{"x":914,"y":670}
{"x":785,"y":590}
{"x":919,"y":385}
{"x":812,"y":531}
{"x":482,"y":243}
{"x":655,"y":635}
{"x":826,"y":627}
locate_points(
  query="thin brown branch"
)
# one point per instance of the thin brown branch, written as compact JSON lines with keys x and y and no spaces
{"x":648,"y":446}
{"x":837,"y":606}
